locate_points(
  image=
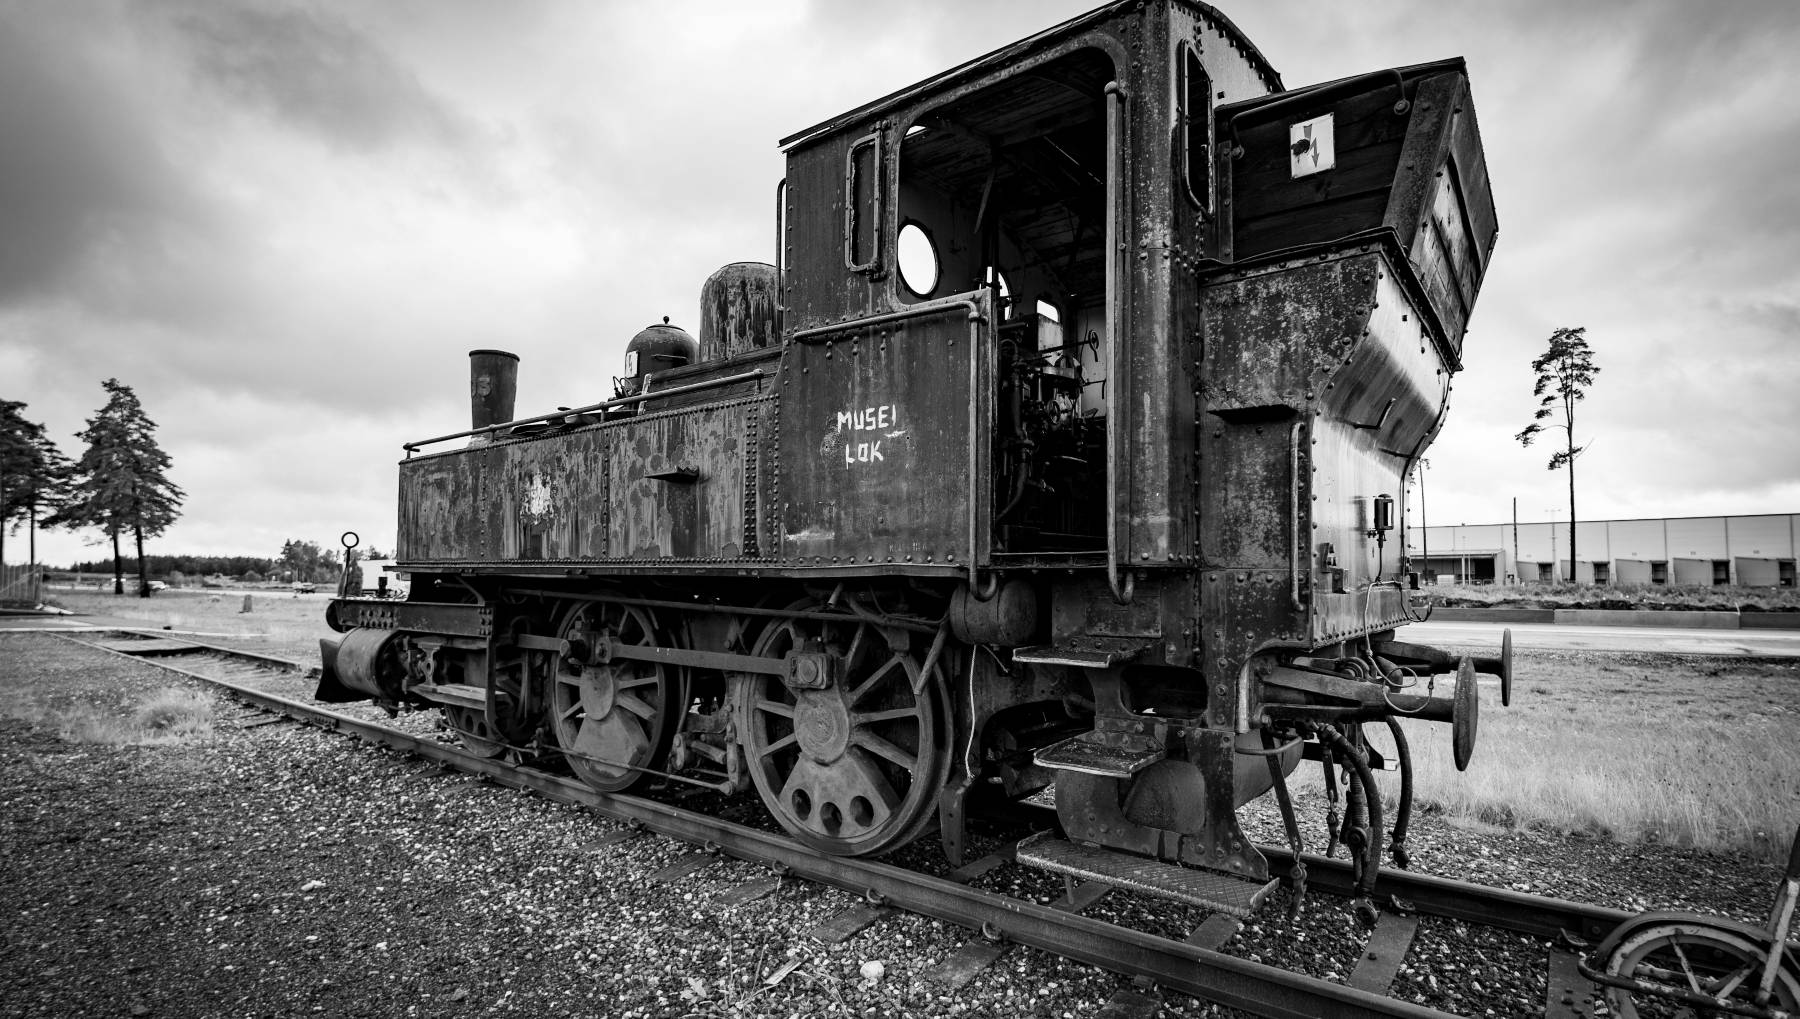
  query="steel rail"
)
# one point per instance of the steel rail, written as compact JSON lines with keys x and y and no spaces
{"x":1237,"y":983}
{"x":1504,"y":908}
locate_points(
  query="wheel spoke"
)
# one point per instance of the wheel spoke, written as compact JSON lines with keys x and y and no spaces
{"x":890,"y":715}
{"x":781,"y":708}
{"x":875,"y":744}
{"x":779,"y":745}
{"x":633,"y":682}
{"x":862,"y":689}
{"x":636,"y":705}
{"x":1687,"y":968}
{"x":1727,"y":985}
{"x":570,"y":711}
{"x":856,"y":643}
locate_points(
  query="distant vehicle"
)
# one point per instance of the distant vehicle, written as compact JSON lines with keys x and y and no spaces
{"x":157,"y":585}
{"x":303,"y":587}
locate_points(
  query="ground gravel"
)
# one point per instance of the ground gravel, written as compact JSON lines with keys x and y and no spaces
{"x":277,"y":870}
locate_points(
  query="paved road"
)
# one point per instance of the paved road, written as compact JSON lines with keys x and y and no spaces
{"x":1545,"y":636}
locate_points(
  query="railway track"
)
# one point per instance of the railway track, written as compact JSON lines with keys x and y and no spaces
{"x":1193,"y":966}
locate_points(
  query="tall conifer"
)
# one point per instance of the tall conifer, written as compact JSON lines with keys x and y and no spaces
{"x":32,"y":473}
{"x":119,"y":484}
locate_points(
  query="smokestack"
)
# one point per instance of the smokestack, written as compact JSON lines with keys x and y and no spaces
{"x":493,"y":383}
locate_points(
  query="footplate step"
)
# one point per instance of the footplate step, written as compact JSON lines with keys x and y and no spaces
{"x":1209,"y":889}
{"x":1093,"y":754}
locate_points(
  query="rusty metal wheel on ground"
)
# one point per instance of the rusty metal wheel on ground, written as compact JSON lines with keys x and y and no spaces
{"x":1690,"y":955}
{"x":854,"y":766}
{"x":612,"y":718}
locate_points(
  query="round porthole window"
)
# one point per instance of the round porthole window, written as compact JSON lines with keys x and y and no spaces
{"x":918,"y":260}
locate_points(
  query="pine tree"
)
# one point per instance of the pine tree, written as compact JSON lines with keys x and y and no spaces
{"x":120,"y":484}
{"x":33,"y":473}
{"x":1564,"y":372}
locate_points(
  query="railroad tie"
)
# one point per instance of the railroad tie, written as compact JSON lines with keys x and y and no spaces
{"x":1130,"y":1003}
{"x":954,"y":971}
{"x":749,"y":891}
{"x":1386,"y":949}
{"x":685,"y":865}
{"x":1215,"y":931}
{"x":849,"y":923}
{"x":856,"y":919}
{"x":1566,"y":991}
{"x":612,"y":838}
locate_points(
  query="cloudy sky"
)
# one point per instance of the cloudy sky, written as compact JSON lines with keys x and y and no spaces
{"x":285,"y":223}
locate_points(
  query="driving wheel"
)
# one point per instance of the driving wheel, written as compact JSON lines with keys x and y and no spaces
{"x":851,"y":762}
{"x":612,"y":717}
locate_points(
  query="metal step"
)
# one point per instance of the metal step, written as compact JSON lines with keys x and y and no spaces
{"x":1120,"y":757}
{"x":1208,"y":889}
{"x":1085,"y":652}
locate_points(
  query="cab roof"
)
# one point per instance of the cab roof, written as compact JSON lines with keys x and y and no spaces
{"x":1010,"y":53}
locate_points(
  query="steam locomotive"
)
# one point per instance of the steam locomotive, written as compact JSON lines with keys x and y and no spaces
{"x":1063,"y":443}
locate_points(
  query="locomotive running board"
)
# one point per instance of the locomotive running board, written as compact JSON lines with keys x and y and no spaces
{"x":455,"y":695}
{"x":1207,"y":889}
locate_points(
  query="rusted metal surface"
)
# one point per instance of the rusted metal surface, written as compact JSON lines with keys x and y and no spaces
{"x":493,"y":387}
{"x":345,"y":614}
{"x":655,"y":511}
{"x":658,"y":347}
{"x":441,"y":505}
{"x":543,"y":496}
{"x":1322,"y":387}
{"x":876,"y":442}
{"x":1408,"y":160}
{"x":737,"y":310}
{"x":669,"y":485}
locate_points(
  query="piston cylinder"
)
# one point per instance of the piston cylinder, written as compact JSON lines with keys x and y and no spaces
{"x":493,"y":385}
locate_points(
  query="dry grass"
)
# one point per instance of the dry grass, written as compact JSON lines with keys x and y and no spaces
{"x":279,"y":622}
{"x":163,"y":717}
{"x":1690,"y":752}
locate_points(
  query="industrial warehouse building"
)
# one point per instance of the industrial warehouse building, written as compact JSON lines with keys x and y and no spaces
{"x":1755,"y":551}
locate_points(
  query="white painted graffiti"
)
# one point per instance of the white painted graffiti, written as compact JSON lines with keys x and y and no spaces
{"x":883,"y":418}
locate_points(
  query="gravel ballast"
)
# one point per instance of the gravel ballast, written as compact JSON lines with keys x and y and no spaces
{"x":277,"y":870}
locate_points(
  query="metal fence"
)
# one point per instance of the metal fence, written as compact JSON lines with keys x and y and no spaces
{"x":21,"y":585}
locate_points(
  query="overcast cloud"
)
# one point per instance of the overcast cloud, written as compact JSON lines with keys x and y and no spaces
{"x":285,"y":223}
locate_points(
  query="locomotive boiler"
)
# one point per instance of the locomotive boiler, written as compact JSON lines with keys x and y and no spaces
{"x":1063,"y":442}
